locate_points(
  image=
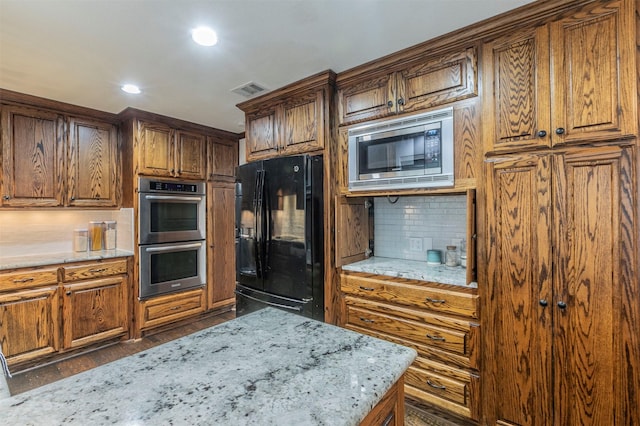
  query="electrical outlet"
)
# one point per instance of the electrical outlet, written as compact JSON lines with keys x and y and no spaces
{"x":415,"y":244}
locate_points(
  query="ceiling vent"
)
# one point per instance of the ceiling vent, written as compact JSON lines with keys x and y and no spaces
{"x":249,"y":89}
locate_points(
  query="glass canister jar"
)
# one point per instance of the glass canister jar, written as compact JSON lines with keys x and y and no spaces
{"x":451,"y":256}
{"x":96,"y":236}
{"x":110,"y":234}
{"x":80,"y":239}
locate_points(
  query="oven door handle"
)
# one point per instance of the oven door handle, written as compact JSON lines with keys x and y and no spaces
{"x":172,"y":248}
{"x":171,"y":197}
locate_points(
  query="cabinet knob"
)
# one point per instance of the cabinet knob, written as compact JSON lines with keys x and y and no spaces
{"x":559,"y":130}
{"x":562,"y":305}
{"x":543,"y":302}
{"x":6,"y":197}
{"x":400,"y":101}
{"x":68,"y":293}
{"x":389,"y":104}
{"x":542,"y":133}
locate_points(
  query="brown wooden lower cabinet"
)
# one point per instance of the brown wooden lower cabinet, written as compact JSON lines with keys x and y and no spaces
{"x":49,"y":310}
{"x":170,"y":308}
{"x":445,"y":334}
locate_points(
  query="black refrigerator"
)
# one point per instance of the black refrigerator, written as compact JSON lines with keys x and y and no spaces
{"x":280,"y":236}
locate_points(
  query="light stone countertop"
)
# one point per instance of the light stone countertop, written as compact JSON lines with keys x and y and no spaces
{"x":11,"y":262}
{"x":412,"y":269}
{"x":266,"y":368}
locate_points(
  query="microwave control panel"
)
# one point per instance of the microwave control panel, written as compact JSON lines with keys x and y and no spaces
{"x":432,"y":149}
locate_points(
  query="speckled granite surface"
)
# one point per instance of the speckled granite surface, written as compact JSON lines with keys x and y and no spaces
{"x":11,"y":262}
{"x":266,"y":368}
{"x":412,"y":269}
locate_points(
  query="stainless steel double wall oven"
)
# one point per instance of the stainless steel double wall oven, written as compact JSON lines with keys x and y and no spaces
{"x":172,"y":233}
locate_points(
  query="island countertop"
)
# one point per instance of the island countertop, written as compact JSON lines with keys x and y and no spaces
{"x":265,"y":368}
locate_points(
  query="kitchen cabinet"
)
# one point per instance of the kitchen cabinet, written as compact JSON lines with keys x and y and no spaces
{"x":50,"y":310}
{"x":291,"y":120}
{"x":164,"y":310}
{"x":221,"y":251}
{"x":95,"y":303}
{"x":564,"y":82}
{"x":562,"y":300}
{"x":50,"y":160}
{"x":222,"y":159}
{"x":409,"y":86}
{"x":33,"y":157}
{"x":168,"y":152}
{"x":439,"y":321}
{"x":92,"y":173}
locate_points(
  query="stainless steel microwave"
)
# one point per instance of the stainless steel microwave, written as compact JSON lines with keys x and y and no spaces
{"x":410,"y":152}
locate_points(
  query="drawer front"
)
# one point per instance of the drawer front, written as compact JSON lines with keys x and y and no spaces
{"x":94,"y":270}
{"x":442,"y":338}
{"x":28,"y":278}
{"x":411,"y":294}
{"x":439,"y":385}
{"x":171,"y":308}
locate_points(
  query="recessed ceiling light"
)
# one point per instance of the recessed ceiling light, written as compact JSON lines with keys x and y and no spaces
{"x":131,"y":88}
{"x":204,"y":36}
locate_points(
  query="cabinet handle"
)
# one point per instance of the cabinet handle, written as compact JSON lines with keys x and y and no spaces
{"x":366,"y":320}
{"x":400,"y":101}
{"x":543,"y":302}
{"x":559,"y":130}
{"x":436,"y":338}
{"x":73,"y":198}
{"x":542,"y":133}
{"x":389,"y":419}
{"x":562,"y":305}
{"x":436,"y":386}
{"x":366,"y":288}
{"x":430,"y":300}
{"x":97,"y":270}
{"x":175,"y":308}
{"x":6,"y":197}
{"x":68,"y":293}
{"x":24,"y":280}
{"x":389,"y":104}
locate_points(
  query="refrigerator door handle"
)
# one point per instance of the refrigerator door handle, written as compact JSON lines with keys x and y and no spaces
{"x":267,"y":220}
{"x":257,"y":206}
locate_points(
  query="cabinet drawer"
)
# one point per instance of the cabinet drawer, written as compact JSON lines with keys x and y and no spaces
{"x":410,"y":293}
{"x":28,"y":278}
{"x":170,"y":308}
{"x":442,"y":338}
{"x":440,"y":385}
{"x":94,"y":270}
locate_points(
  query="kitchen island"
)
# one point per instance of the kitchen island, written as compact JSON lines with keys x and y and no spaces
{"x":266,"y":368}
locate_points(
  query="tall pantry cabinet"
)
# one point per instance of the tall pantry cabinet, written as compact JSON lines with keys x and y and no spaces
{"x":562,"y":301}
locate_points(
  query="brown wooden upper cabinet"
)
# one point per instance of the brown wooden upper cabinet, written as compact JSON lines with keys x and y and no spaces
{"x":408,"y":87}
{"x":562,"y":82}
{"x":292,"y":120}
{"x":168,"y":152}
{"x":45,"y":164}
{"x":222,"y":159}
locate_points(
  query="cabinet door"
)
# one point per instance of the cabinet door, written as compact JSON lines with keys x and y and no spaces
{"x":29,"y":324}
{"x":32,"y":158}
{"x":190,"y":155}
{"x":222,"y":159}
{"x":261,"y":134}
{"x":222,"y":267}
{"x":593,"y":64}
{"x":94,"y":310}
{"x":517,"y":74}
{"x":303,"y":124}
{"x":93,"y":164}
{"x":352,"y":230}
{"x":156,"y":150}
{"x":438,"y":81}
{"x":367,"y":100}
{"x":518,"y":337}
{"x":597,"y":301}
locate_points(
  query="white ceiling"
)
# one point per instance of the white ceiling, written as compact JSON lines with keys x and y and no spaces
{"x":82,"y":51}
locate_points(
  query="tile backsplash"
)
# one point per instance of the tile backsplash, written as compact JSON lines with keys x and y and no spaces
{"x":33,"y":232}
{"x":412,"y":225}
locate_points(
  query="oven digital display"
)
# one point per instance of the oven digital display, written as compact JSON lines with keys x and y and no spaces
{"x":172,"y":187}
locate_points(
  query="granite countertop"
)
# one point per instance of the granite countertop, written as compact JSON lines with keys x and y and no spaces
{"x":412,"y":269}
{"x":11,"y":262}
{"x":266,"y":368}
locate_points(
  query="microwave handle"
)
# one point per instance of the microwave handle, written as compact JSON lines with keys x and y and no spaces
{"x":171,"y":197}
{"x":171,"y":248}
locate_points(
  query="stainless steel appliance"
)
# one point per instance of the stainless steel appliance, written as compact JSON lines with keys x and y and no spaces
{"x":410,"y":152}
{"x":280,"y":236}
{"x":172,"y":232}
